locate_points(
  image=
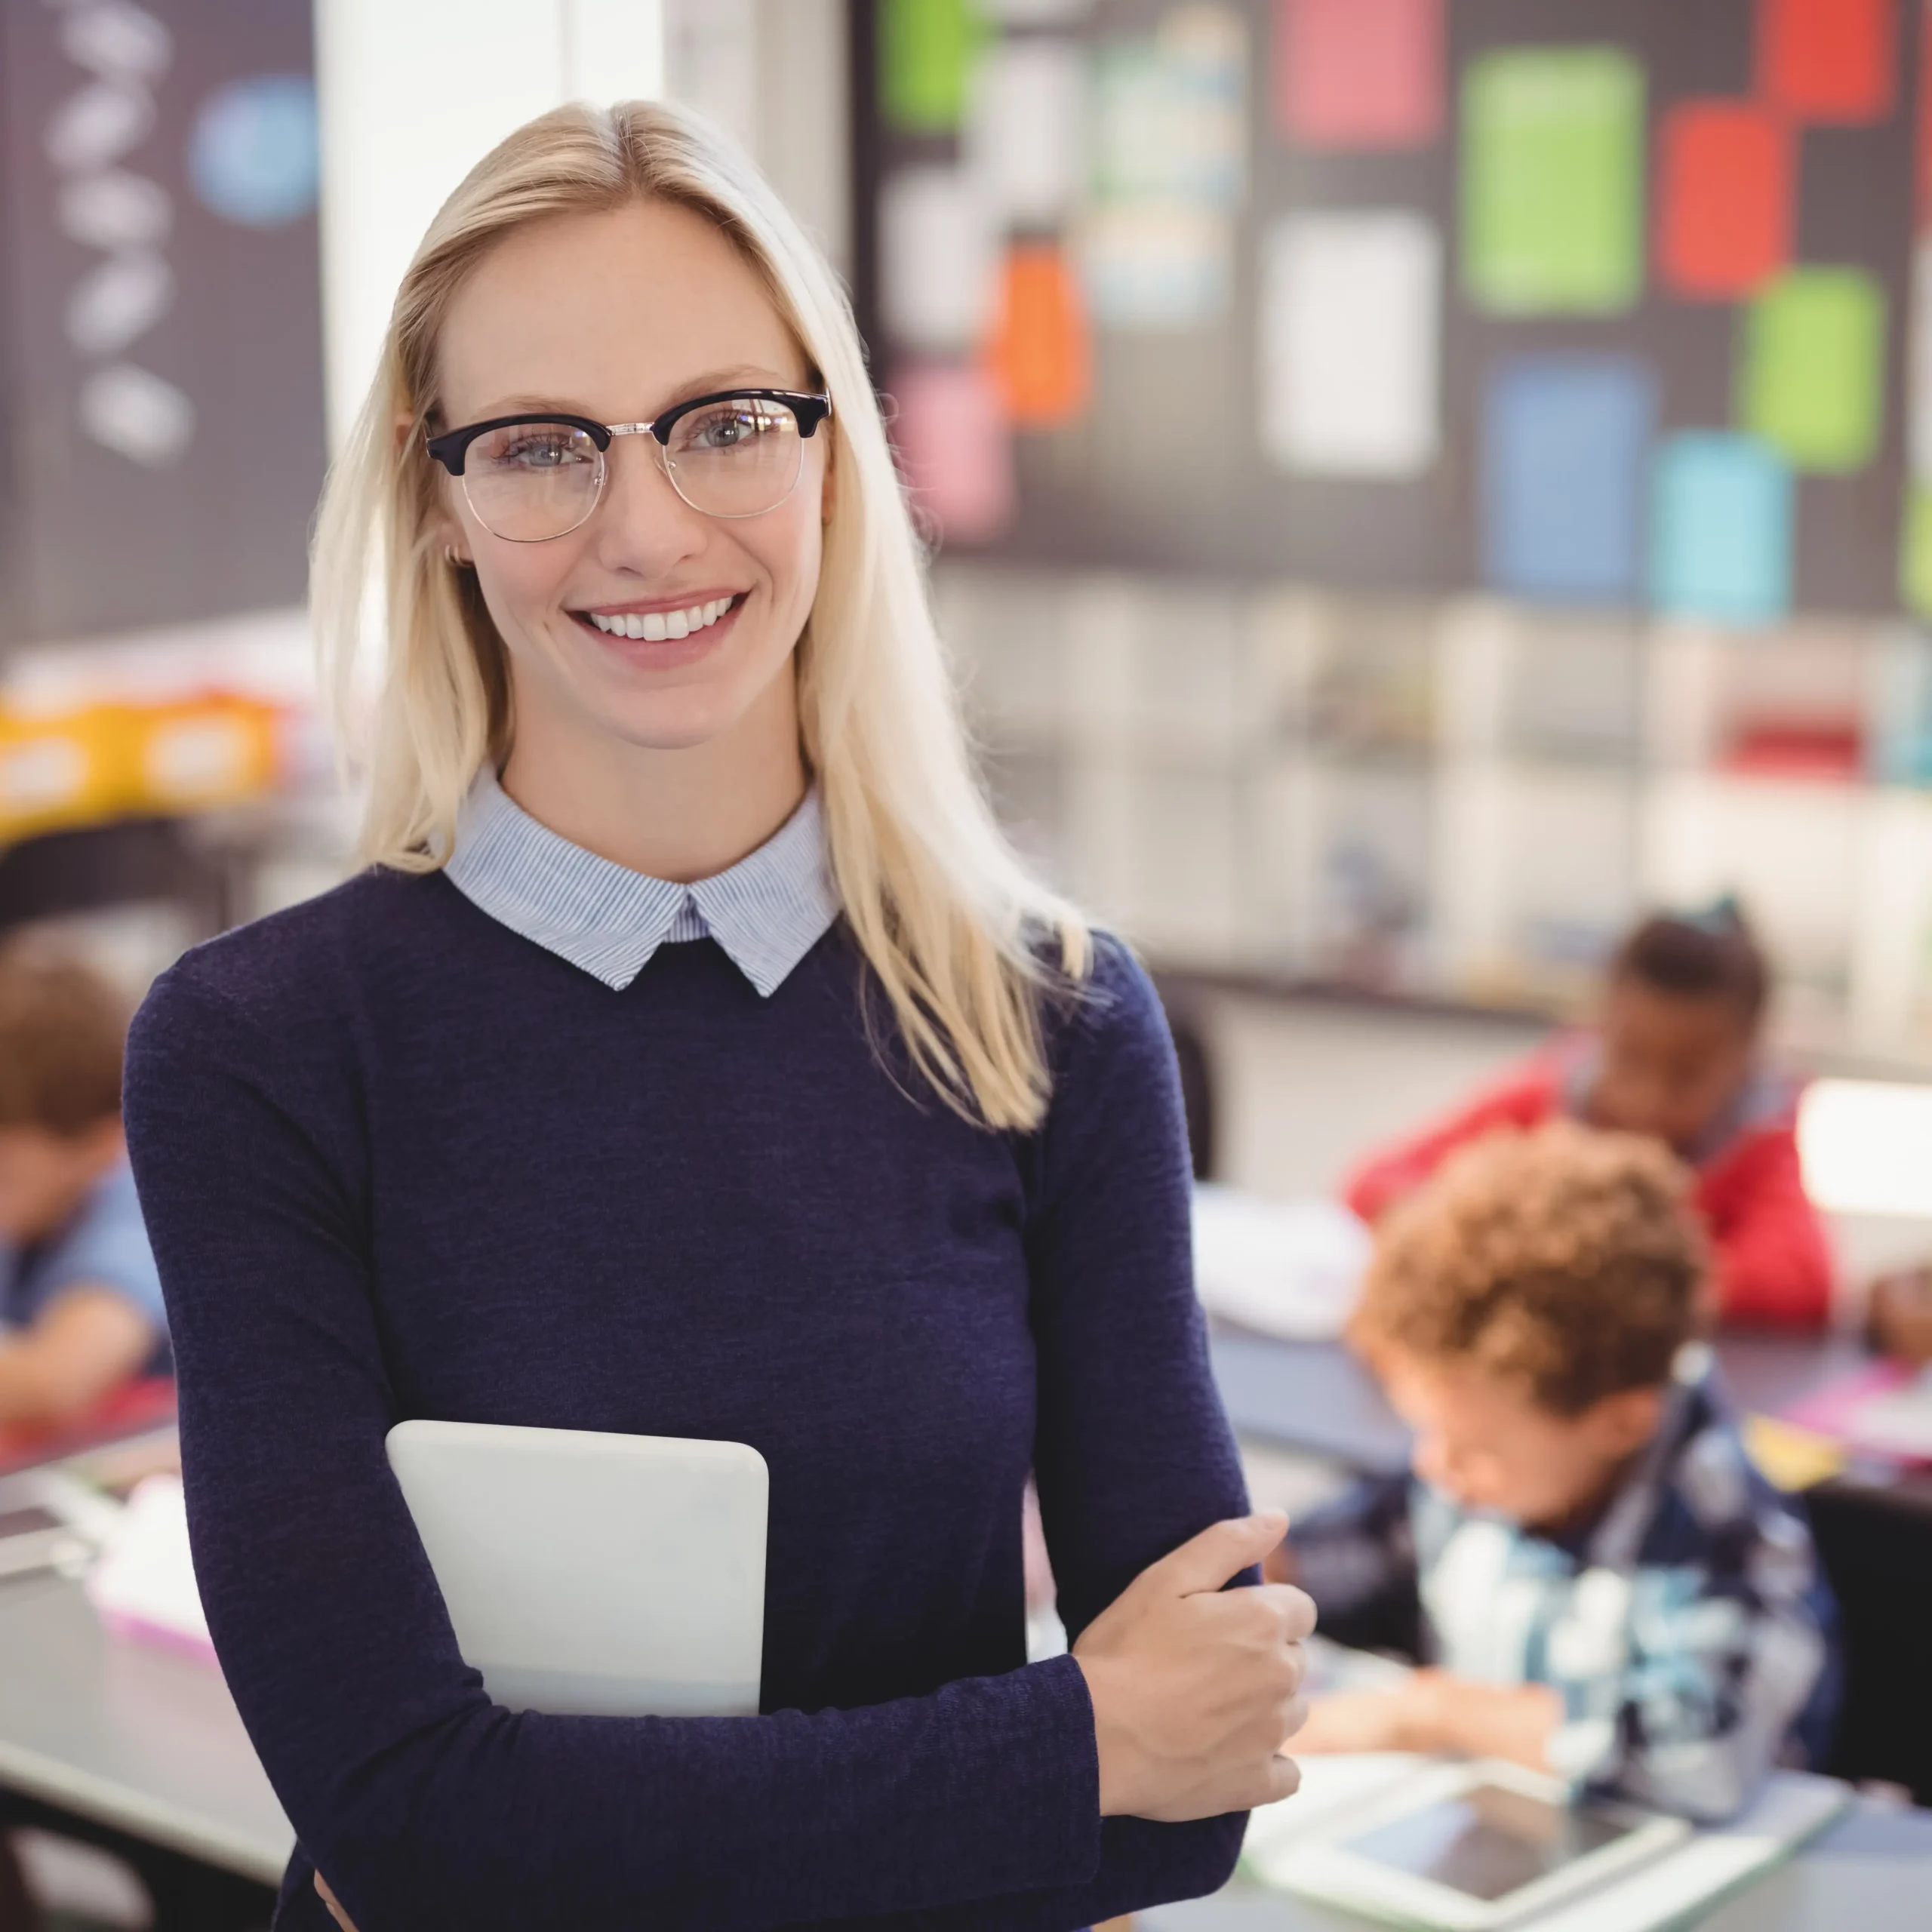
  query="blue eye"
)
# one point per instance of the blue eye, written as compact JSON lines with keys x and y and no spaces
{"x":534,"y":447}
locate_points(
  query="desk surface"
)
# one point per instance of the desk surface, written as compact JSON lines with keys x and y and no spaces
{"x":1316,"y":1396}
{"x":130,"y":1734}
{"x":1872,"y":1870}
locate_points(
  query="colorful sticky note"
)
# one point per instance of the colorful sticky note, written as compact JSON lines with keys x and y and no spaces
{"x":1812,"y":381}
{"x":927,"y":49}
{"x":1027,"y":131}
{"x":1350,"y":334}
{"x":1725,"y":195}
{"x":1170,"y":116}
{"x":1040,"y":354}
{"x":1915,"y":552}
{"x":1362,"y":74}
{"x":1720,"y":530}
{"x":955,"y":447}
{"x":1829,"y":60}
{"x":939,"y":259}
{"x":1565,"y":439}
{"x":1553,"y":181}
{"x":1156,"y":266}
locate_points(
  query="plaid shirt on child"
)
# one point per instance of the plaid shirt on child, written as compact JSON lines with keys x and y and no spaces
{"x":1688,"y":1630}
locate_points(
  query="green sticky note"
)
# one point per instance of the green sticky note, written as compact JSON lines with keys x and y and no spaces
{"x":926,"y":52}
{"x":1553,"y":192}
{"x":1812,"y":382}
{"x":1915,"y":553}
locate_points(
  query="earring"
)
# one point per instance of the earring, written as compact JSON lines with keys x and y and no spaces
{"x":450,"y":558}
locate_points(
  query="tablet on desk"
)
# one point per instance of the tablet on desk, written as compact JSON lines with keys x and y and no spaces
{"x":605,"y":1575}
{"x":1471,"y":1848}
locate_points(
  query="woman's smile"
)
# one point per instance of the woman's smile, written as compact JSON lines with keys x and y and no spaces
{"x":664,"y":633}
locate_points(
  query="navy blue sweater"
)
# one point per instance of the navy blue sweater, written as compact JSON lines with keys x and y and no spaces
{"x":397,"y":1161}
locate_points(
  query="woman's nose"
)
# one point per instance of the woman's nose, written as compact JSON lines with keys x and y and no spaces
{"x":643,"y":524}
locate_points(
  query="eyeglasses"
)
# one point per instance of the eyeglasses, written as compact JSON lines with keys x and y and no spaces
{"x":528,"y":478}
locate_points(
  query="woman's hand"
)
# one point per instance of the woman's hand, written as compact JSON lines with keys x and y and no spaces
{"x":329,"y":1898}
{"x":1195,"y":1689}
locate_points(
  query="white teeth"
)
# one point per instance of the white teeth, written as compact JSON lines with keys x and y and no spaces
{"x":655,"y":626}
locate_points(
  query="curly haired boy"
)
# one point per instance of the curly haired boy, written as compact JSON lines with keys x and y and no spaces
{"x":1599,"y":1583}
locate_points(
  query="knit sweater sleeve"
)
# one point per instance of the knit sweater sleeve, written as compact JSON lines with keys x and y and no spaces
{"x":427,"y":1805}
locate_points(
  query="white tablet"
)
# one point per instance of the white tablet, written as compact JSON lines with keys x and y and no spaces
{"x":1470,"y":1848}
{"x":620,"y":1576}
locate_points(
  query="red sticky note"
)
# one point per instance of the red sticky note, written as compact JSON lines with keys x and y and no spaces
{"x":1829,"y":60}
{"x":1040,"y":353}
{"x":1358,"y":73}
{"x":956,"y":448}
{"x":1725,"y":186}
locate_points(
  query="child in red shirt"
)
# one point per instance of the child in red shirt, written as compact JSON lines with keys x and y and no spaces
{"x":1675,"y":1055}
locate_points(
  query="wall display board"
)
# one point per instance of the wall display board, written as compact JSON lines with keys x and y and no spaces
{"x":1593,"y":303}
{"x":161,"y":384}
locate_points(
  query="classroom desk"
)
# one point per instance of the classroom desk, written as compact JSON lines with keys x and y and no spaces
{"x":129,"y":1737}
{"x":1873,"y":1869}
{"x":1316,"y":1397}
{"x":1874,"y":1534}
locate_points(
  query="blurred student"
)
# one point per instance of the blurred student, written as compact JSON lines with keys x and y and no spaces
{"x":81,"y":1309}
{"x":1676,"y":1055}
{"x":1901,"y":1315}
{"x":1602,"y":1585}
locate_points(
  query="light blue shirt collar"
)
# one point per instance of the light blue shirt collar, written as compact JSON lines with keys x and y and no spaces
{"x":767,"y":912}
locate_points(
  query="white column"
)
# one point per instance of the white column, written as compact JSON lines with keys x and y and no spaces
{"x":413,"y":93}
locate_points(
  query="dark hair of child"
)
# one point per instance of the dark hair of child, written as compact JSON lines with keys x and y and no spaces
{"x":1704,"y":955}
{"x":63,"y":1030}
{"x":1564,"y":1260}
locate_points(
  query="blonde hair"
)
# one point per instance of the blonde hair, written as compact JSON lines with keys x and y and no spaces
{"x":954,"y":928}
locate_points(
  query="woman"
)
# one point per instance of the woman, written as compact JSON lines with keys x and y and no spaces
{"x":694,"y":1060}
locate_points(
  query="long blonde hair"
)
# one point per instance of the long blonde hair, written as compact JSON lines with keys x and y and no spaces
{"x":956,"y":930}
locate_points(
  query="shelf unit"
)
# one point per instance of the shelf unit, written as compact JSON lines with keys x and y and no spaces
{"x":1463,"y":799}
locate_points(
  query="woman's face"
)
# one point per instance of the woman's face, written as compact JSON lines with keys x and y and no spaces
{"x":617,"y":317}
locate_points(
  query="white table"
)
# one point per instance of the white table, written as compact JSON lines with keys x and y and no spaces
{"x":129,"y":1735}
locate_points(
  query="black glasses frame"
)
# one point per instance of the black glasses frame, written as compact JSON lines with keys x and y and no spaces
{"x":451,"y":448}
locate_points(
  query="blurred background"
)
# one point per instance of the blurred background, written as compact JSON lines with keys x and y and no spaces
{"x":1414,"y":482}
{"x":1414,"y":485}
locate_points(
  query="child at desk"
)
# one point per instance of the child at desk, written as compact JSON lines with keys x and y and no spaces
{"x":1675,"y":1056}
{"x":81,"y":1309}
{"x":1600,"y":1583}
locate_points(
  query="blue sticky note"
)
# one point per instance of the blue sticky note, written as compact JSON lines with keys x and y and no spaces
{"x":1566,"y":439}
{"x":1720,"y":530}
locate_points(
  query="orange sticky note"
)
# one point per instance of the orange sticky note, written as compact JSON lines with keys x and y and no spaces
{"x":1040,"y":352}
{"x":1725,"y":186}
{"x":1828,"y":61}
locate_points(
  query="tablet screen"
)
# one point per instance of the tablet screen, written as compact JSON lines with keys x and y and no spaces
{"x":1487,"y":1842}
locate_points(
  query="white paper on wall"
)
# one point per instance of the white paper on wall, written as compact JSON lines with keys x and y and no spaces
{"x":1156,"y":265}
{"x":938,"y":260}
{"x":1026,"y":136}
{"x":1350,"y":338}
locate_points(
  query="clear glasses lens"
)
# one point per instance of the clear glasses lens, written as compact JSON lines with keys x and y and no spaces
{"x":740,"y":457}
{"x":533,"y":480}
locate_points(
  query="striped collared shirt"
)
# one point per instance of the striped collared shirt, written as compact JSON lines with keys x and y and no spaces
{"x":767,"y":912}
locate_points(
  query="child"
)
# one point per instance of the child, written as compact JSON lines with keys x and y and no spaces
{"x":1675,"y":1057}
{"x":1603,"y":1586}
{"x":80,"y":1300}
